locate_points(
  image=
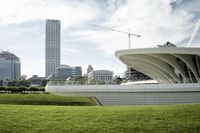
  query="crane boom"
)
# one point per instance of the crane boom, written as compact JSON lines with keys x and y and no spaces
{"x":197,"y":27}
{"x":129,"y":40}
{"x":116,"y":30}
{"x":128,"y":33}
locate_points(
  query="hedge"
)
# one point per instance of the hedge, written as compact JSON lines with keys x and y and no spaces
{"x":21,"y":89}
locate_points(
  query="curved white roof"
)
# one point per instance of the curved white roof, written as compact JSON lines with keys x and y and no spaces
{"x":166,"y":65}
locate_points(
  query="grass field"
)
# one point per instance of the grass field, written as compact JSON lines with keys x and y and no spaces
{"x":42,"y":99}
{"x":97,"y":119}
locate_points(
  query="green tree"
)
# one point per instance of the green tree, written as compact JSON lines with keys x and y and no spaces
{"x":1,"y":82}
{"x":118,"y":80}
{"x":13,"y":89}
{"x":44,"y":82}
{"x":19,"y":83}
{"x":42,"y":89}
{"x":81,"y":79}
{"x":2,"y":88}
{"x":23,"y":89}
{"x":34,"y":89}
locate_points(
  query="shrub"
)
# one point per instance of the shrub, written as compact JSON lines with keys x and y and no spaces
{"x":2,"y":88}
{"x":23,"y":88}
{"x":19,"y":83}
{"x":20,"y":89}
{"x":33,"y":89}
{"x":42,"y":89}
{"x":13,"y":89}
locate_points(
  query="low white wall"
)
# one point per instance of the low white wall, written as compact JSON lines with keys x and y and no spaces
{"x":124,"y":88}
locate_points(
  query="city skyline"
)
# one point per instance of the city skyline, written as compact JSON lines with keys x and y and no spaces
{"x":23,"y":29}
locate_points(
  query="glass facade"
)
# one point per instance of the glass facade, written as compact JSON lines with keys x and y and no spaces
{"x":63,"y":72}
{"x":76,"y":71}
{"x":52,"y":46}
{"x":10,"y":67}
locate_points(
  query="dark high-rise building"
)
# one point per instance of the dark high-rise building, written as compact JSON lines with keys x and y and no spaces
{"x":10,"y":67}
{"x":52,"y":46}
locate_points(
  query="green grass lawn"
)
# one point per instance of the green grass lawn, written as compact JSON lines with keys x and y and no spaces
{"x":97,"y":119}
{"x":92,"y":119}
{"x":42,"y":99}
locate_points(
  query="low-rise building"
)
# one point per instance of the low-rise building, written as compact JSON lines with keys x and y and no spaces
{"x":100,"y":77}
{"x":35,"y":80}
{"x":76,"y":71}
{"x":63,"y":72}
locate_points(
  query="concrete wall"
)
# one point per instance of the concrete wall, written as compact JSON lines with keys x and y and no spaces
{"x":125,"y":88}
{"x":148,"y":94}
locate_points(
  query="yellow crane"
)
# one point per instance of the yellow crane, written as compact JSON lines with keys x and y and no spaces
{"x":124,"y":32}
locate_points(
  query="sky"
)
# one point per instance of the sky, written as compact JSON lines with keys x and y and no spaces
{"x":22,"y":29}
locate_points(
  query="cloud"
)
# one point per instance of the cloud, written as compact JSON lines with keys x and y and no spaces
{"x":153,"y":20}
{"x":71,"y":50}
{"x":71,"y":13}
{"x":32,"y":67}
{"x":22,"y":28}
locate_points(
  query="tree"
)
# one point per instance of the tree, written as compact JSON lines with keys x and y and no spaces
{"x":44,"y":82}
{"x":22,"y":89}
{"x":2,"y":88}
{"x":1,"y":82}
{"x":81,"y":79}
{"x":34,"y":89}
{"x":19,"y":83}
{"x":118,"y":80}
{"x":13,"y":89}
{"x":23,"y":77}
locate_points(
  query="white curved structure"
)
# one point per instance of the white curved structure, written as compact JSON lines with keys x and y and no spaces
{"x":131,"y":94}
{"x":166,"y":64}
{"x":177,"y":69}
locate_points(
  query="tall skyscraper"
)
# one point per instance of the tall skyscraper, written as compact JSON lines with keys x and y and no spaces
{"x":52,"y":46}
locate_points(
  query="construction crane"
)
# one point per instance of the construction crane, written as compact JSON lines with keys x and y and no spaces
{"x":127,"y":33}
{"x":129,"y":40}
{"x":197,"y":27}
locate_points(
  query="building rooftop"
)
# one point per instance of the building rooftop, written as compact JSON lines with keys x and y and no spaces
{"x":64,"y":66}
{"x":9,"y":56}
{"x":166,"y":65}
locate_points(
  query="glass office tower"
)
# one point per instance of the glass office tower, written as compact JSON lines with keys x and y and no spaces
{"x":10,"y":67}
{"x":52,"y":46}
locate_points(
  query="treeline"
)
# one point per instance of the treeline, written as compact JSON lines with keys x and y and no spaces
{"x":19,"y":83}
{"x":21,"y":89}
{"x":25,"y":83}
